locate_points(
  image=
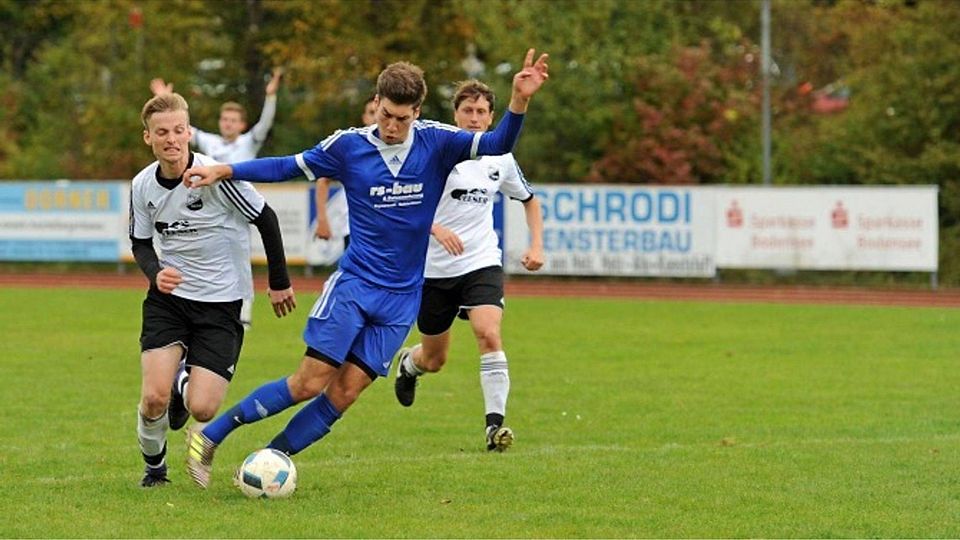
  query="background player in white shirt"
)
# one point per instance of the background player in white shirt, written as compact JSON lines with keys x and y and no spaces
{"x":464,"y":272}
{"x":192,"y":308}
{"x":234,"y":144}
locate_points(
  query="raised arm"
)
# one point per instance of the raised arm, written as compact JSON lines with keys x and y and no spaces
{"x":528,"y":81}
{"x":159,"y":86}
{"x":269,"y":112}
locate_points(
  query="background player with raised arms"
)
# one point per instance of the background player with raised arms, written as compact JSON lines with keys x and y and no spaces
{"x":235,"y":143}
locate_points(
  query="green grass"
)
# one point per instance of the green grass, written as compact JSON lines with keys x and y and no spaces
{"x":633,"y":419}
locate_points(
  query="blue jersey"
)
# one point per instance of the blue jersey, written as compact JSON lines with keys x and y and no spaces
{"x":392,"y":189}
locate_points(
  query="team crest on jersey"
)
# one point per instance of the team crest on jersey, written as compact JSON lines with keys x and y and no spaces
{"x":493,"y":173}
{"x":475,"y":195}
{"x":194,"y":202}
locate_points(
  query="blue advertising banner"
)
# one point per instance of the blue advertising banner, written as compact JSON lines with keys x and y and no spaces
{"x":62,"y":221}
{"x":619,"y":230}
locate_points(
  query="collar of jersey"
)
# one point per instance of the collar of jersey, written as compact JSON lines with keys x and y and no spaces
{"x":171,"y":183}
{"x":405,"y":145}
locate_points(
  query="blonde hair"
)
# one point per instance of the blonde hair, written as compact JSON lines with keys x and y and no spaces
{"x":163,"y":103}
{"x":233,"y":106}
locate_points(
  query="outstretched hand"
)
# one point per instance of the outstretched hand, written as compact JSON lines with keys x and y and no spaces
{"x":206,"y":175}
{"x":274,"y":83}
{"x":529,"y":79}
{"x":158,"y":86}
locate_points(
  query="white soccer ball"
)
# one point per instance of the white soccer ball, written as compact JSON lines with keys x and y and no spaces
{"x":268,"y":474}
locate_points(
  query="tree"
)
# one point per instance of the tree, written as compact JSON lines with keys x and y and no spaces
{"x":83,"y":93}
{"x":683,"y":122}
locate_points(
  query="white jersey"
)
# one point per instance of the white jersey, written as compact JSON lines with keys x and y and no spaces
{"x":202,"y":232}
{"x":466,"y":208}
{"x":245,"y":146}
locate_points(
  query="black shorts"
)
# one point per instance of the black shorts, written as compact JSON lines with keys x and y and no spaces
{"x":444,"y":299}
{"x":210,"y":331}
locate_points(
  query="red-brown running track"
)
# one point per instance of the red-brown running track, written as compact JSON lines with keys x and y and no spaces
{"x":548,"y":287}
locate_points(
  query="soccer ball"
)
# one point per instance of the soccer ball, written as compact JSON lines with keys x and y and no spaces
{"x":268,"y":474}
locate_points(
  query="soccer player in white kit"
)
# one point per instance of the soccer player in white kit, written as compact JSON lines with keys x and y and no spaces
{"x":191,"y":314}
{"x":234,"y":144}
{"x":464,"y":273}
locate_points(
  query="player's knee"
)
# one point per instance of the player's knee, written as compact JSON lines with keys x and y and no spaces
{"x":154,"y":402}
{"x":489,"y":338}
{"x":304,"y":388}
{"x":343,"y":397}
{"x":203,"y":412}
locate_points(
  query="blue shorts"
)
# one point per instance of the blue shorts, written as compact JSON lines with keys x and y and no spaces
{"x":359,"y":320}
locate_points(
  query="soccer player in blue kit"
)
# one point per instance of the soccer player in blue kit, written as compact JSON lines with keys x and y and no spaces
{"x":393,"y":173}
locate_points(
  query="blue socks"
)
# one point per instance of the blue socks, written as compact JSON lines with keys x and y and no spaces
{"x":307,"y":426}
{"x":265,"y":401}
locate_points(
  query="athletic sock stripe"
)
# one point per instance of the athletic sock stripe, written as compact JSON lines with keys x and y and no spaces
{"x":499,"y":366}
{"x":243,"y":205}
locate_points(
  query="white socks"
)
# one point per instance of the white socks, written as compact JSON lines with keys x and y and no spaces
{"x":152,"y":433}
{"x":495,"y":381}
{"x":409,"y":366}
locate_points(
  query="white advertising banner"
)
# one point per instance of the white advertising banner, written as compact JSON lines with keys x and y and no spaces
{"x":588,"y":230}
{"x":603,"y":230}
{"x":291,"y":202}
{"x":828,"y":228}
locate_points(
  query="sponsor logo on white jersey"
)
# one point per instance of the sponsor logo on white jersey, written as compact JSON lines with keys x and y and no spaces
{"x":475,"y":195}
{"x":179,"y":227}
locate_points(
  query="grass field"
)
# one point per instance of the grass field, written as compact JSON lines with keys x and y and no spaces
{"x":633,"y":419}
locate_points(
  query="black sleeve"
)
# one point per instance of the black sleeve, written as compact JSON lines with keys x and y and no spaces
{"x":146,"y":258}
{"x":269,"y":228}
